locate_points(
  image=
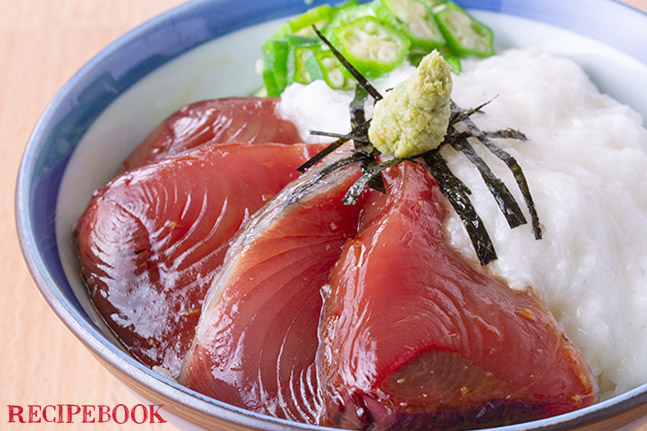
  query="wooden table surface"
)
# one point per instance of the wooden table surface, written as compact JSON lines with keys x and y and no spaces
{"x":42,"y":43}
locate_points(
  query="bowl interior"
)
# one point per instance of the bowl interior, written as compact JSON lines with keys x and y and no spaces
{"x":186,"y":55}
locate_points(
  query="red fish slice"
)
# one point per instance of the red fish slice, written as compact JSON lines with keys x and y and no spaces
{"x":236,"y":119}
{"x":151,"y":241}
{"x":414,"y":337}
{"x":256,"y":342}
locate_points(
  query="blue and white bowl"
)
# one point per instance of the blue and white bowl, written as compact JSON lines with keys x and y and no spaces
{"x":208,"y":48}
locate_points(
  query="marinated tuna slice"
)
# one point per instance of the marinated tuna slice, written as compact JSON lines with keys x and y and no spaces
{"x":256,"y":341}
{"x":237,"y":119}
{"x":150,"y":242}
{"x":416,"y":337}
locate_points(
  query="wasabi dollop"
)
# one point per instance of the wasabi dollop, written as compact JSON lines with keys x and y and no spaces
{"x":413,"y":117}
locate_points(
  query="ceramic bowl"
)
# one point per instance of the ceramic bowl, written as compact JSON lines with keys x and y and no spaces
{"x":206,"y":49}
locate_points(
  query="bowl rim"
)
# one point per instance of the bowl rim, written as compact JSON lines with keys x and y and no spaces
{"x":93,"y":339}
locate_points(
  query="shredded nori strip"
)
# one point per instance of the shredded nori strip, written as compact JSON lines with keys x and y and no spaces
{"x":517,"y":172}
{"x":351,"y":196}
{"x":356,"y":138}
{"x":358,"y":122}
{"x":460,"y":114}
{"x":455,"y":192}
{"x":504,"y":199}
{"x":329,"y":169}
{"x":342,"y":139}
{"x":357,"y":112}
{"x":321,"y":154}
{"x":351,"y":69}
{"x":506,"y":134}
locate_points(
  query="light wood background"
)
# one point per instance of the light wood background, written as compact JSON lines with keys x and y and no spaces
{"x":42,"y":43}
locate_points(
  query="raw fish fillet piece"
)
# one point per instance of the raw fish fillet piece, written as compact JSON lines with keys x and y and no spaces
{"x":256,"y":341}
{"x":252,"y":120}
{"x":151,"y":241}
{"x":416,"y":337}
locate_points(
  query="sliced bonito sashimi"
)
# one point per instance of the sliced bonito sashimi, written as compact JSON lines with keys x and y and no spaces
{"x":252,"y":120}
{"x":416,"y":337}
{"x":256,"y":341}
{"x":151,"y":241}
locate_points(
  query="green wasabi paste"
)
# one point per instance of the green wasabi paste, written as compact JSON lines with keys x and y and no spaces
{"x":413,"y":117}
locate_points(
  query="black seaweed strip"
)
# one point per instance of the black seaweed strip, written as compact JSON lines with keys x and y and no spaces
{"x":355,"y":138}
{"x":458,"y":185}
{"x":356,"y":189}
{"x":458,"y":114}
{"x":358,"y":122}
{"x":453,"y":189}
{"x":357,"y":114}
{"x":504,"y":199}
{"x":356,"y":74}
{"x":321,"y":154}
{"x":343,"y":138}
{"x":376,"y":182}
{"x":506,"y":134}
{"x":517,"y":172}
{"x":329,"y":169}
